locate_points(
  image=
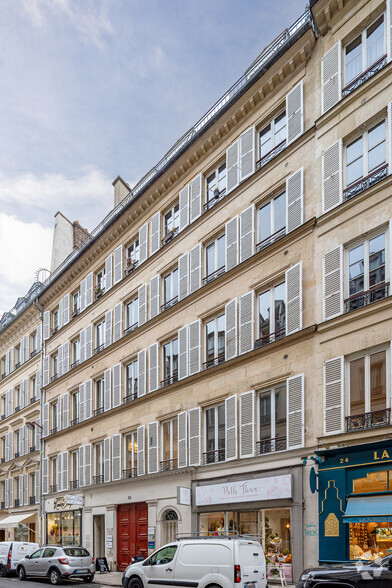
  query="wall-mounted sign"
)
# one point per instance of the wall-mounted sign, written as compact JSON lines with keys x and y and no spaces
{"x":74,"y":499}
{"x":245,"y":490}
{"x":183,"y":495}
{"x":60,"y":503}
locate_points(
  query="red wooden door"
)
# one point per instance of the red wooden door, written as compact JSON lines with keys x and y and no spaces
{"x":132,"y":522}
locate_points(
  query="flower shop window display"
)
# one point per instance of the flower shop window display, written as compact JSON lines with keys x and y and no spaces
{"x":64,"y":528}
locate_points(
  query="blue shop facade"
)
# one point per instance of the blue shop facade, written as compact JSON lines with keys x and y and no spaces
{"x":355,"y":502}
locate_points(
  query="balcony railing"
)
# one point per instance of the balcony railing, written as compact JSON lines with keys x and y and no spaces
{"x":170,"y":380}
{"x":271,"y":239}
{"x":169,"y":303}
{"x":131,"y":266}
{"x":266,"y":339}
{"x":169,"y":464}
{"x":33,"y":399}
{"x":74,"y":422}
{"x":2,"y":505}
{"x":75,"y":364}
{"x":32,"y":500}
{"x":213,"y":456}
{"x":364,"y":298}
{"x":32,"y":449}
{"x":17,"y":502}
{"x":3,"y":417}
{"x":17,"y":408}
{"x":368,"y":420}
{"x":131,"y":328}
{"x":53,"y":489}
{"x":17,"y":365}
{"x":75,"y":312}
{"x":129,"y":473}
{"x":216,"y":198}
{"x":17,"y":454}
{"x":3,"y":376}
{"x":2,"y":460}
{"x":169,"y":236}
{"x":74,"y":484}
{"x":99,"y":348}
{"x":214,"y":275}
{"x":363,"y":77}
{"x":271,"y":154}
{"x":98,"y":410}
{"x":53,"y":431}
{"x":54,"y":377}
{"x":98,"y":479}
{"x":33,"y":353}
{"x":130,"y":397}
{"x":271,"y":445}
{"x":214,"y":361}
{"x":364,"y":183}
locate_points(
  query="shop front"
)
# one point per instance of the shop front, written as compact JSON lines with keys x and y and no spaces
{"x":266,"y":507}
{"x":63,"y":520}
{"x":355,"y":502}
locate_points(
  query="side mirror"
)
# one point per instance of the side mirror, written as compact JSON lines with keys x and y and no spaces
{"x":147,"y":562}
{"x":27,"y":556}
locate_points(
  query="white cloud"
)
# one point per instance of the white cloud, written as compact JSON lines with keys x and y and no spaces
{"x":24,"y":248}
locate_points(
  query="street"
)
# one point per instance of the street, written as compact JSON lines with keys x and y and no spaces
{"x":14,"y":582}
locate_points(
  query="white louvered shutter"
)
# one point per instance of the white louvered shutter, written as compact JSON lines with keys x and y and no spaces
{"x":26,"y":489}
{"x":140,"y":451}
{"x":182,"y":439}
{"x":27,"y":392}
{"x":295,"y":113}
{"x":60,"y":361}
{"x":60,"y":313}
{"x":333,"y":282}
{"x":26,"y":447}
{"x":116,"y":457}
{"x":231,"y":347}
{"x":331,"y":77}
{"x":11,"y":359}
{"x":7,"y":448}
{"x":38,"y":383}
{"x":195,"y":269}
{"x":22,"y":395}
{"x":194,"y":428}
{"x":66,"y":357}
{"x":82,"y":345}
{"x":7,"y":363}
{"x":232,"y":248}
{"x":37,"y":486}
{"x":20,"y":497}
{"x":142,"y":383}
{"x":153,"y":367}
{"x":294,"y":299}
{"x":45,"y":475}
{"x":65,"y":403}
{"x":108,"y":272}
{"x":295,"y":412}
{"x":66,"y":309}
{"x":107,"y":389}
{"x":118,"y":322}
{"x":87,"y":465}
{"x":89,"y":341}
{"x":247,"y":424}
{"x":21,"y":354}
{"x":389,"y":31}
{"x":108,"y":328}
{"x":65,"y":471}
{"x":233,"y":166}
{"x":58,"y":413}
{"x":39,"y":338}
{"x":46,"y":375}
{"x":89,"y":288}
{"x":143,"y":244}
{"x":83,"y":290}
{"x":37,"y":435}
{"x":81,"y":466}
{"x":20,"y":449}
{"x":294,"y":200}
{"x":183,"y":276}
{"x":389,"y":122}
{"x":154,"y":296}
{"x":59,"y":471}
{"x":332,"y":176}
{"x":11,"y":446}
{"x":116,"y":385}
{"x":183,"y":359}
{"x":247,"y":154}
{"x":107,"y":460}
{"x":334,"y":396}
{"x":117,"y":264}
{"x":247,"y":233}
{"x":27,"y":347}
{"x":45,"y":419}
{"x":194,"y":347}
{"x":231,"y":427}
{"x":88,"y":391}
{"x":184,"y":208}
{"x":246,"y":322}
{"x":82,"y":402}
{"x":12,"y":401}
{"x":142,"y":298}
{"x":195,"y":193}
{"x":152,"y":448}
{"x":155,"y":225}
{"x":46,"y":328}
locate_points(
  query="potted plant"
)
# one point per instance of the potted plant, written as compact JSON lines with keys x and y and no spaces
{"x":98,"y":291}
{"x":131,"y":265}
{"x":169,"y":235}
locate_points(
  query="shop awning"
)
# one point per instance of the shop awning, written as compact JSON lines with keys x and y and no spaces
{"x":14,"y":520}
{"x":368,"y":509}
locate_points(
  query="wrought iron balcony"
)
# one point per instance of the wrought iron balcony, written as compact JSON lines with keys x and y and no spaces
{"x":17,"y":408}
{"x":216,"y":198}
{"x":53,"y":431}
{"x":74,"y":484}
{"x":17,"y":365}
{"x":169,"y":303}
{"x":130,"y":397}
{"x":98,"y":479}
{"x":53,"y":489}
{"x":169,"y":236}
{"x":169,"y":464}
{"x":266,"y":339}
{"x":2,"y":505}
{"x":98,"y":411}
{"x":33,"y":399}
{"x":74,"y":422}
{"x":54,"y":377}
{"x":271,"y":445}
{"x":3,"y":376}
{"x":32,"y":500}
{"x":17,"y":502}
{"x":131,"y":266}
{"x":17,"y":454}
{"x":33,"y":353}
{"x":131,"y":328}
{"x":75,"y":364}
{"x":364,"y":183}
{"x":2,"y":460}
{"x":170,"y":380}
{"x":214,"y":361}
{"x":32,"y":449}
{"x":3,"y":417}
{"x":214,"y":275}
{"x":99,"y":348}
{"x":271,"y":154}
{"x":129,"y":473}
{"x":368,"y":420}
{"x":364,"y":298}
{"x":75,"y":312}
{"x":363,"y":77}
{"x":271,"y":239}
{"x":213,"y":456}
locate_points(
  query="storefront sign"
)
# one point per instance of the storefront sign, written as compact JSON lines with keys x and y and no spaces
{"x":74,"y":499}
{"x":183,"y":495}
{"x":245,"y":491}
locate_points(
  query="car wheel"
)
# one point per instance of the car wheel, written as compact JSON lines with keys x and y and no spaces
{"x":135,"y":583}
{"x":88,"y":578}
{"x":54,"y":577}
{"x":21,"y":573}
{"x":3,"y":572}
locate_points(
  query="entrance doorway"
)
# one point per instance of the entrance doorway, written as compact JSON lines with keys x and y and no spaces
{"x":132,"y":523}
{"x":99,"y":535}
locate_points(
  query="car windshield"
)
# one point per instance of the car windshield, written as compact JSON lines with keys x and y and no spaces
{"x":76,"y":551}
{"x":381,"y":561}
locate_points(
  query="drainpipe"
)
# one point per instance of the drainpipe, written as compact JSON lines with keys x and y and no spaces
{"x":41,"y":506}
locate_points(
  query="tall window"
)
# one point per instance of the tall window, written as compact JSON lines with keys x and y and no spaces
{"x":364,"y":51}
{"x":367,"y":388}
{"x":170,"y":362}
{"x":75,"y":353}
{"x":216,"y":183}
{"x":130,"y":455}
{"x":99,"y":336}
{"x":131,"y":315}
{"x":55,"y":366}
{"x":100,"y":281}
{"x":32,"y":384}
{"x":133,"y":252}
{"x":215,"y":434}
{"x":366,"y":153}
{"x":169,"y":444}
{"x":17,"y":398}
{"x":99,"y":396}
{"x":54,"y":417}
{"x":98,"y":463}
{"x":215,"y":341}
{"x":75,"y":303}
{"x":273,"y":134}
{"x":215,"y":258}
{"x":272,"y":314}
{"x":131,"y":383}
{"x":34,"y":343}
{"x":74,"y":408}
{"x":272,"y":419}
{"x":171,"y":219}
{"x":55,"y":320}
{"x":74,"y":470}
{"x":17,"y":356}
{"x":17,"y":442}
{"x":53,"y":473}
{"x":366,"y":272}
{"x":170,"y":289}
{"x":271,"y":221}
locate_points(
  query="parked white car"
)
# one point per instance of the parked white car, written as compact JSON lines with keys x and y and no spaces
{"x":219,"y":562}
{"x":11,"y":552}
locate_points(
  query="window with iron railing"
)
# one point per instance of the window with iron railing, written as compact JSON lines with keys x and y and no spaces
{"x":131,"y":315}
{"x":133,"y":253}
{"x":99,"y":336}
{"x":131,"y":380}
{"x":215,"y":259}
{"x":170,"y":362}
{"x":74,"y":408}
{"x":169,"y":445}
{"x":98,"y":464}
{"x":75,"y":303}
{"x":214,"y":341}
{"x":272,"y":420}
{"x":75,"y":353}
{"x":214,"y":432}
{"x":216,"y":184}
{"x":171,"y":220}
{"x":272,"y":139}
{"x":271,"y":222}
{"x":130,"y":455}
{"x":272,"y":315}
{"x":99,"y":396}
{"x":170,"y":289}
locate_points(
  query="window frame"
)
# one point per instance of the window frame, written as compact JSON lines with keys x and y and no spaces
{"x":216,"y":449}
{"x":131,"y":395}
{"x":173,"y":376}
{"x":99,"y":462}
{"x":219,"y":358}
{"x":99,"y":393}
{"x":171,"y":209}
{"x":272,"y":301}
{"x":272,"y":391}
{"x":135,"y":245}
{"x":363,"y":35}
{"x":99,"y":333}
{"x":263,"y":127}
{"x":215,"y":170}
{"x":173,"y":441}
{"x":135,"y":313}
{"x":275,"y":234}
{"x":364,"y":134}
{"x":173,"y":299}
{"x":218,"y":270}
{"x":133,"y":454}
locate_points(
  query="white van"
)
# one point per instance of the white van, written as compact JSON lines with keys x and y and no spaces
{"x":218,"y":561}
{"x":11,"y":552}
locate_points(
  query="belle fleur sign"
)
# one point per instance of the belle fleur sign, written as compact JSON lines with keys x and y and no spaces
{"x":61,"y":502}
{"x":271,"y":488}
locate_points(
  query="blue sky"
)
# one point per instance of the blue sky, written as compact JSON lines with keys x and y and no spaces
{"x":95,"y":88}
